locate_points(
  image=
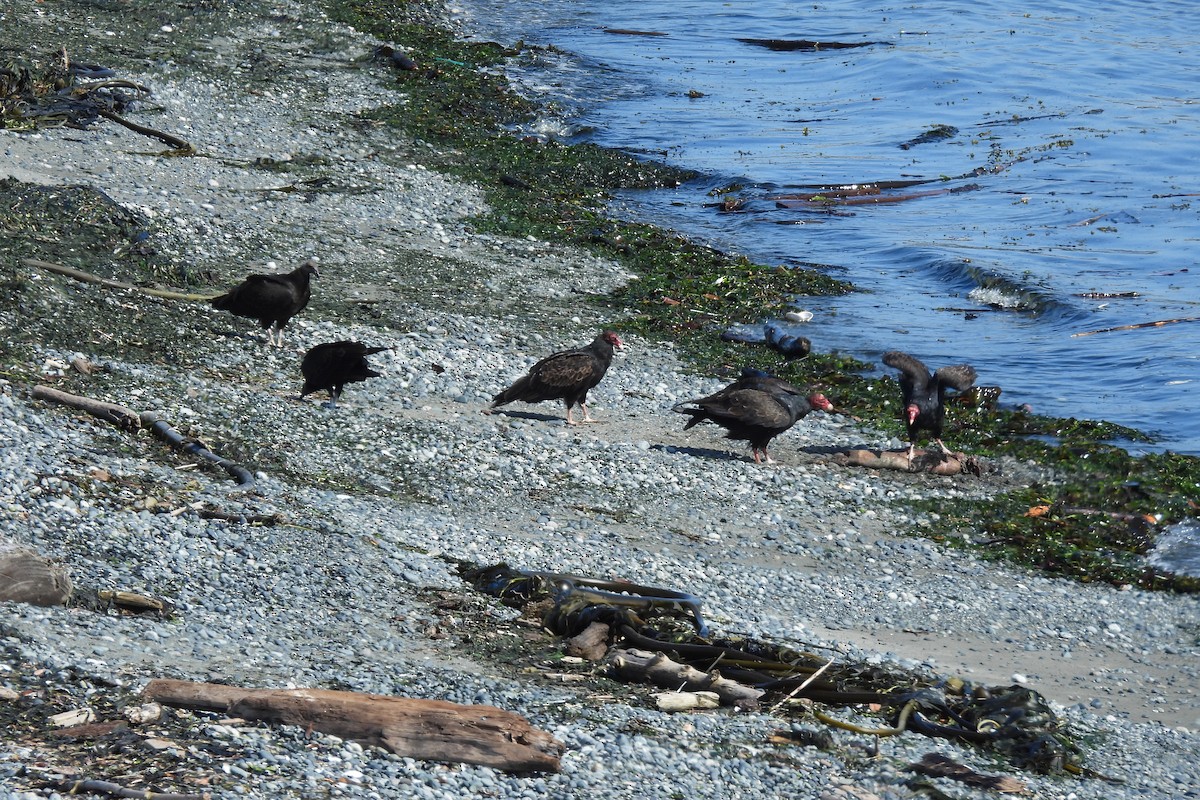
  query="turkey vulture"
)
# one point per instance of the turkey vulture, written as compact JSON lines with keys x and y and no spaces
{"x":924,"y":395}
{"x":756,"y":408}
{"x":566,"y":376}
{"x":332,"y":365}
{"x":271,"y":299}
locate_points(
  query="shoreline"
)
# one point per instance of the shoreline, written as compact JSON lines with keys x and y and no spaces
{"x":378,"y":495}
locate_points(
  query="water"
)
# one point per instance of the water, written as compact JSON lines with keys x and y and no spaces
{"x":1083,"y":122}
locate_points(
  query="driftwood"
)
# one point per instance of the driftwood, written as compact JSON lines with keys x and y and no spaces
{"x":591,"y":645}
{"x":658,"y":669}
{"x":27,"y":577}
{"x":128,"y":420}
{"x":107,"y":283}
{"x":923,"y":461}
{"x":428,"y":729}
{"x":74,"y":786}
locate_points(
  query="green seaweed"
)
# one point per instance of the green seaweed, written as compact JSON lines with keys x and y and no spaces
{"x":458,"y":102}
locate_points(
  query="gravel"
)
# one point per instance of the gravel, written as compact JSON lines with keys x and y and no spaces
{"x":380,"y":498}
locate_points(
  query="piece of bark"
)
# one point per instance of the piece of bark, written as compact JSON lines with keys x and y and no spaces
{"x":428,"y":729}
{"x":658,"y":669}
{"x":27,"y":577}
{"x":591,"y":644}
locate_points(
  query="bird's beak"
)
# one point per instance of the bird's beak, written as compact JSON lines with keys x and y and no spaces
{"x":913,"y":413}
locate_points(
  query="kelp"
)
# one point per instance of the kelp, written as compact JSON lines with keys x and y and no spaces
{"x":1015,"y":722}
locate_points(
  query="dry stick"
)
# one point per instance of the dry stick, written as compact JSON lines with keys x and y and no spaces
{"x":104,"y":787}
{"x":181,"y":147}
{"x":801,"y":687}
{"x":1160,"y":323}
{"x":129,"y":420}
{"x":88,"y":277}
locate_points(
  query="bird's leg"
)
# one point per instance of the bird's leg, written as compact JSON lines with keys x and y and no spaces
{"x":586,"y":416}
{"x":941,"y":444}
{"x":912,"y":448}
{"x":570,"y":417}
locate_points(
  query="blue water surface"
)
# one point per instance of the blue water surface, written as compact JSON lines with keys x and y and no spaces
{"x":1074,"y":153}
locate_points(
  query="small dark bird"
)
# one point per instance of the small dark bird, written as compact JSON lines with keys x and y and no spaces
{"x":332,"y":365}
{"x":755,"y":408}
{"x":271,"y":299}
{"x":786,"y":344}
{"x":566,"y":376}
{"x":924,"y":395}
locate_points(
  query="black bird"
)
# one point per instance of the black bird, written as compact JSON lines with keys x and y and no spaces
{"x":755,"y":408}
{"x":271,"y":299}
{"x":332,"y":365}
{"x":924,"y":395}
{"x":566,"y":376}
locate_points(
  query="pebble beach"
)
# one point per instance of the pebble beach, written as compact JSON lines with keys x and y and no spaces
{"x":377,"y":501}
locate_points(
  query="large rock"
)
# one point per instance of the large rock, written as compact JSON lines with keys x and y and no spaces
{"x":27,"y":577}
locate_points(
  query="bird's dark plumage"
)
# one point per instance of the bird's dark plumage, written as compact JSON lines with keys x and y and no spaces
{"x":755,"y":408}
{"x":566,"y":376}
{"x":271,"y":299}
{"x":924,"y":395}
{"x":332,"y":365}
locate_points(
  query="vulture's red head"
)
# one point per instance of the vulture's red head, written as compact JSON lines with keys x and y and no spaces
{"x":820,"y":402}
{"x":613,"y":339}
{"x":912,"y":412}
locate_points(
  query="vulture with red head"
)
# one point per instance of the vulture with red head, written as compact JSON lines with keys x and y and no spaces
{"x":566,"y":376}
{"x":271,"y":299}
{"x":332,"y":365}
{"x":924,"y":395}
{"x":755,"y":408}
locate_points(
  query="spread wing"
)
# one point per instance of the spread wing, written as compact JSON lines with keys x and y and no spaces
{"x":960,"y":376}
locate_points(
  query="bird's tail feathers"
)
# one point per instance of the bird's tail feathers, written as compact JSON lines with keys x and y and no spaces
{"x":698,"y":414}
{"x":514,"y":392}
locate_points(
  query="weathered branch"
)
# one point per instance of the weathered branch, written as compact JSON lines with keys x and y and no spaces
{"x":429,"y":729}
{"x":124,"y":418}
{"x":180,"y":146}
{"x":104,"y":787}
{"x":130,"y":420}
{"x":923,"y":461}
{"x":108,"y":283}
{"x":658,"y":669}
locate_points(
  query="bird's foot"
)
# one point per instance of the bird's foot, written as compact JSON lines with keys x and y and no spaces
{"x":330,"y":404}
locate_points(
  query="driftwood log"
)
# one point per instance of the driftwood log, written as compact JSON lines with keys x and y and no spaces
{"x":591,"y":645}
{"x":27,"y":577}
{"x":923,"y":461}
{"x":129,"y":420}
{"x":658,"y":669}
{"x":428,"y":729}
{"x":107,"y":283}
